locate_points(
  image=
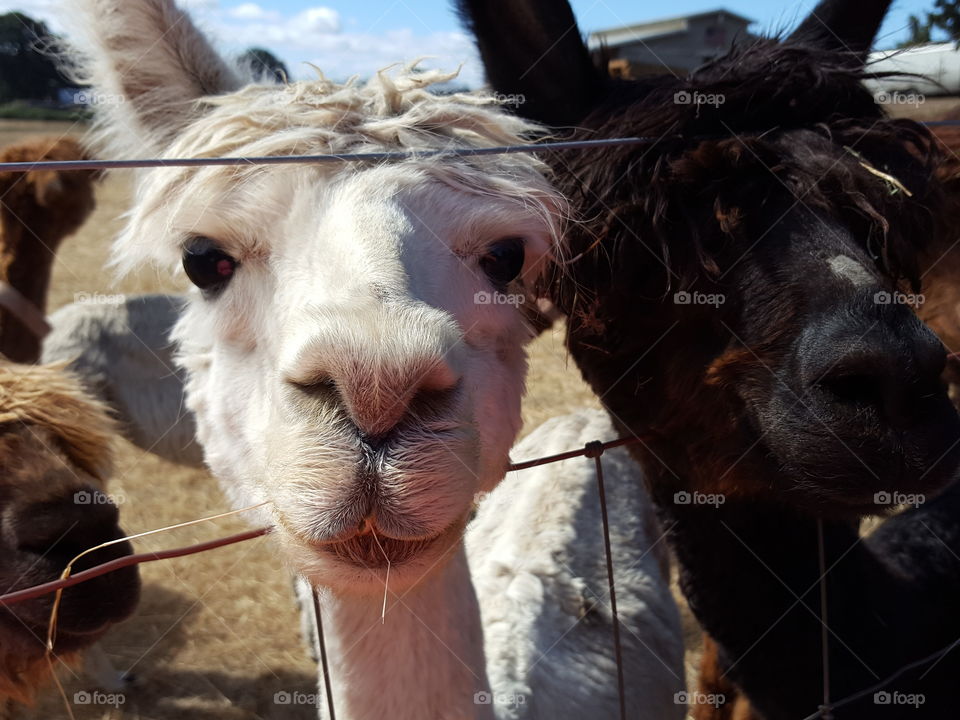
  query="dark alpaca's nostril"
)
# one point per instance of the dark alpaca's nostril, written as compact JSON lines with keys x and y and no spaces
{"x":894,"y":370}
{"x":855,"y":389}
{"x":82,"y":519}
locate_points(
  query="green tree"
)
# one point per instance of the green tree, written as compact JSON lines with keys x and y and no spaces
{"x":919,"y":32}
{"x":27,"y":72}
{"x":946,"y":17}
{"x":264,"y":63}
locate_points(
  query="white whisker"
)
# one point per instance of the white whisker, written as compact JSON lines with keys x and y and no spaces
{"x":386,"y":580}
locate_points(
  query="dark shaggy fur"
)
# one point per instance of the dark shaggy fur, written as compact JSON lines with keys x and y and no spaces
{"x":798,"y":393}
{"x":786,"y":112}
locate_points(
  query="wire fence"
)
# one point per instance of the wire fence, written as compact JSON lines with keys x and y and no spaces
{"x":593,"y":450}
{"x":364,"y":157}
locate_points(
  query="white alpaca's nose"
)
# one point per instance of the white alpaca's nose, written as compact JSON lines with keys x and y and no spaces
{"x":382,"y":363}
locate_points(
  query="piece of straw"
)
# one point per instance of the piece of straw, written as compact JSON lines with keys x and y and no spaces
{"x":386,"y":580}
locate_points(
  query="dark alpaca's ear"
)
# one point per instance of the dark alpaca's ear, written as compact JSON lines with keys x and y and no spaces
{"x":842,"y":25}
{"x":533,"y":49}
{"x":147,"y":65}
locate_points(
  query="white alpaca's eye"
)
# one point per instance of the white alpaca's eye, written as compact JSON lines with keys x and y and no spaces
{"x":503,"y":261}
{"x":207,"y":266}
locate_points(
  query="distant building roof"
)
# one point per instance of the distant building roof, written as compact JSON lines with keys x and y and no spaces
{"x":655,"y":29}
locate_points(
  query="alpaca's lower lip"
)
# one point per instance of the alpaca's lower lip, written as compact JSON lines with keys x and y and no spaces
{"x":377,"y":552}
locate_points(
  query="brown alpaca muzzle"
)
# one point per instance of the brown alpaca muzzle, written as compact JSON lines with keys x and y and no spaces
{"x":42,"y":538}
{"x":871,"y":418}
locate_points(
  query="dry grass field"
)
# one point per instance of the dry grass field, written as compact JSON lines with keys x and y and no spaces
{"x":216,"y":634}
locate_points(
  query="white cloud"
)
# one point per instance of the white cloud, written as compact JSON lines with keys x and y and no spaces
{"x":200,"y":5}
{"x":318,"y":20}
{"x":252,"y":11}
{"x":318,"y":36}
{"x":340,"y":56}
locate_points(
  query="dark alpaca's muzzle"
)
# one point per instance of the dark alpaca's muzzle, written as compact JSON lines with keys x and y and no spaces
{"x":871,"y":418}
{"x":42,"y":538}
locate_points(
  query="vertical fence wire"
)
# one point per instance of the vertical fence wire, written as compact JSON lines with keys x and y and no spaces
{"x":595,"y":450}
{"x":826,"y":711}
{"x":322,"y":646}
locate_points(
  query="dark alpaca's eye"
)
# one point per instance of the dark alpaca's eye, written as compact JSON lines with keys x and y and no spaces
{"x":207,"y":266}
{"x":503,"y":261}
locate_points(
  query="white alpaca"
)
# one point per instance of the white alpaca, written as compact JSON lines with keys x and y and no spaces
{"x":536,"y":558}
{"x":345,"y":362}
{"x":123,"y":353}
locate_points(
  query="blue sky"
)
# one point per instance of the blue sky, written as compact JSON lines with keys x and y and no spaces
{"x":346,"y":37}
{"x":595,"y":14}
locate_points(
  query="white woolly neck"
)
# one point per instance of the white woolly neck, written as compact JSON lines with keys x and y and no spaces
{"x":425,"y":660}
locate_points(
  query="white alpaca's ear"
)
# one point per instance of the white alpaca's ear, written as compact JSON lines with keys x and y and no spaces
{"x":147,"y":64}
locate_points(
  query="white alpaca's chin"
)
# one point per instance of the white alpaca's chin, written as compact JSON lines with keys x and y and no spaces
{"x":360,"y":565}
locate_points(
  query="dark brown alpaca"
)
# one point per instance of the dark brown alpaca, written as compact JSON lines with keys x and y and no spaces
{"x":38,"y":210}
{"x":739,"y":299}
{"x":941,"y":311}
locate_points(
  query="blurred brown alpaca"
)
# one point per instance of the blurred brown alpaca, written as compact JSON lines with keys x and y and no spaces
{"x":38,"y":209}
{"x":55,"y":455}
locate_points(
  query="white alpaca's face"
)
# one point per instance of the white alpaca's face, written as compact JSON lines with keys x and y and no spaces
{"x":339,"y":363}
{"x":352,"y":369}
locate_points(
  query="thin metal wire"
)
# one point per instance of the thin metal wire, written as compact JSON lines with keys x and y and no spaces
{"x":595,"y":450}
{"x":883,"y":683}
{"x":586,"y":450}
{"x":325,"y":668}
{"x":825,"y":709}
{"x":57,"y":165}
{"x":376,"y":157}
